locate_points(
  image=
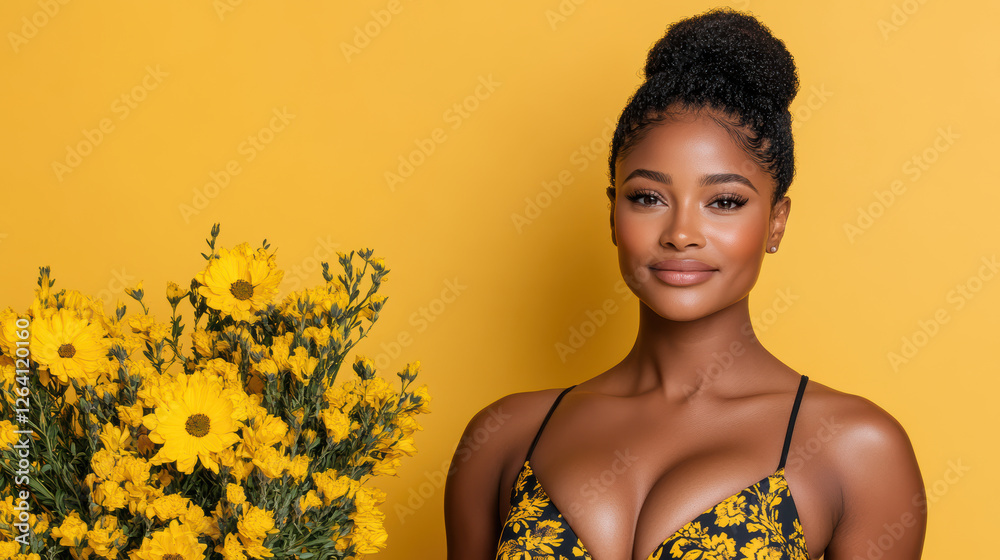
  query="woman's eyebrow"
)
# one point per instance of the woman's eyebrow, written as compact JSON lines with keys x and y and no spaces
{"x":651,"y":175}
{"x":719,"y":178}
{"x":707,"y":180}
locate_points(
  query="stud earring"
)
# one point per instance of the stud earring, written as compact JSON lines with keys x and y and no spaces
{"x":773,"y":249}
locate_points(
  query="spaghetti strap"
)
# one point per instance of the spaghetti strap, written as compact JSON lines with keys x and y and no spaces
{"x":791,"y":421}
{"x":542,"y":427}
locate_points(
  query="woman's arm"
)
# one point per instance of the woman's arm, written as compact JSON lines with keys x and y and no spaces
{"x":471,"y":506}
{"x":884,"y":505}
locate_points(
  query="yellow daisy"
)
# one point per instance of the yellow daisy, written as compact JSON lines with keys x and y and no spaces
{"x":69,"y":346}
{"x":194,"y":419}
{"x":176,"y":542}
{"x":240,"y":282}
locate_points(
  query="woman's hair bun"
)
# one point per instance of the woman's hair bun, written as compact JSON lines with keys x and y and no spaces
{"x":727,"y":55}
{"x":730,"y":63}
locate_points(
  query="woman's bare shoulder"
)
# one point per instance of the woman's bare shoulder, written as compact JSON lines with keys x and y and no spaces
{"x":864,"y":448}
{"x":499,"y":428}
{"x":484,"y":463}
{"x":852,"y":424}
{"x":854,"y":416}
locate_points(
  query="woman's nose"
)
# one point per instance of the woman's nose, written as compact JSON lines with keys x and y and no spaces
{"x":682,"y":226}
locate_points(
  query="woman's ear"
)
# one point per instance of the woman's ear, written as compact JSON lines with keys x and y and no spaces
{"x":611,"y":196}
{"x":779,"y":219}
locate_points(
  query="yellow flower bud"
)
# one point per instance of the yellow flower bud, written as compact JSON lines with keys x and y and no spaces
{"x":175,"y":293}
{"x":135,"y":293}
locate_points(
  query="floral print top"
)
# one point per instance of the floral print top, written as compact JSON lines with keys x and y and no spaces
{"x":760,"y":522}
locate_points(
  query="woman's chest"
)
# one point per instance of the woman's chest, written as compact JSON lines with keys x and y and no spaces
{"x":629,"y":483}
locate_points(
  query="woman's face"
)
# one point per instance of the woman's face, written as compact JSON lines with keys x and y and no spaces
{"x":687,"y":192}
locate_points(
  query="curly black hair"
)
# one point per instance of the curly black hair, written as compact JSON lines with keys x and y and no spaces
{"x":727,"y":61}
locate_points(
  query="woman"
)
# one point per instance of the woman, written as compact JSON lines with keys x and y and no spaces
{"x":699,"y":444}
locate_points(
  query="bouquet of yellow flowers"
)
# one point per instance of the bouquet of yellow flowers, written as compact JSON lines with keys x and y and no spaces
{"x":118,"y":443}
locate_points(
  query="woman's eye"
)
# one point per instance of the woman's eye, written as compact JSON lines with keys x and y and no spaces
{"x":730,"y":202}
{"x":644,"y":198}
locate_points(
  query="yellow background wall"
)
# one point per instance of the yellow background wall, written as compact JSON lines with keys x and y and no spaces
{"x":895,"y":120}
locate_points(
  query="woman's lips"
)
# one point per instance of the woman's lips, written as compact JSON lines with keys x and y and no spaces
{"x":683,"y":277}
{"x":684,"y":272}
{"x":682,"y":264}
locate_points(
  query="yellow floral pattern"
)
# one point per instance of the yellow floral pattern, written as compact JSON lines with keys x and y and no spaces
{"x":758,"y":523}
